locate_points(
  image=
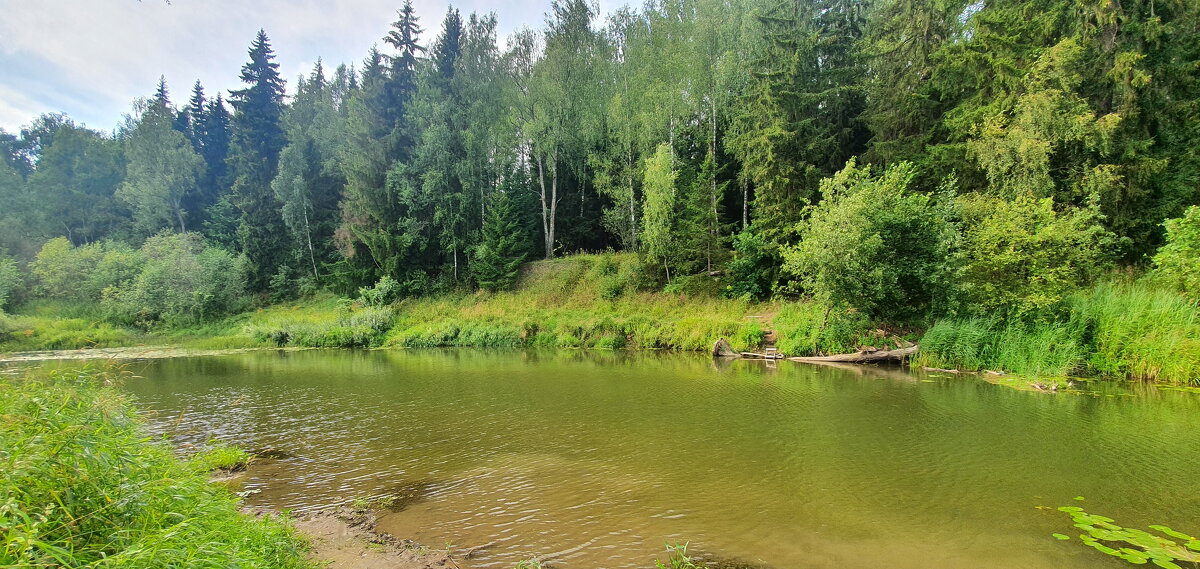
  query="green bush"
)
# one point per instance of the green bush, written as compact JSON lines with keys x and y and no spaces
{"x":11,"y":280}
{"x":811,"y":328}
{"x":64,"y":272}
{"x":182,"y":281}
{"x":1177,"y":263}
{"x":873,"y":245}
{"x":1025,"y":257}
{"x":385,"y":292}
{"x":82,"y":486}
{"x":752,"y":270}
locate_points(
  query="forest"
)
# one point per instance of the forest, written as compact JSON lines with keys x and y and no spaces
{"x":976,"y":164}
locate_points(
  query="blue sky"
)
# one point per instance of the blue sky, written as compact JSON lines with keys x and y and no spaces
{"x":91,"y":58}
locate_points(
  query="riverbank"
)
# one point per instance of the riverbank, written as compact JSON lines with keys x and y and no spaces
{"x":1118,"y":329}
{"x":84,"y":487}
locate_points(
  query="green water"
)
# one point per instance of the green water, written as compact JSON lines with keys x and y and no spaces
{"x":598,"y":459}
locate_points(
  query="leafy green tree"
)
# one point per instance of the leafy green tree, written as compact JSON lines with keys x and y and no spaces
{"x":75,"y":180}
{"x":498,"y":257}
{"x":659,"y":207}
{"x":1177,"y":263}
{"x":162,"y":170}
{"x":257,"y":141}
{"x":874,"y":245}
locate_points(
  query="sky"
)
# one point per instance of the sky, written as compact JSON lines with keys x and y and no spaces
{"x":92,"y":58}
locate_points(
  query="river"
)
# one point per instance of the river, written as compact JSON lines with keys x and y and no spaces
{"x":598,"y":459}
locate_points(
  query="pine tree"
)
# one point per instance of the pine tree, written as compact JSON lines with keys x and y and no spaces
{"x":254,"y":154}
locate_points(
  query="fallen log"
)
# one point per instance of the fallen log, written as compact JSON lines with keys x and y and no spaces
{"x":863,"y":357}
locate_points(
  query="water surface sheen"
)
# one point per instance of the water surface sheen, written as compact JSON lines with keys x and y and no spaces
{"x":598,"y":459}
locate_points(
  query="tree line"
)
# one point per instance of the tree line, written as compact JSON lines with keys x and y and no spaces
{"x":898,"y":156}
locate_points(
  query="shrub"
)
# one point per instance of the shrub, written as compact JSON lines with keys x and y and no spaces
{"x":1024,"y":256}
{"x":385,"y":292}
{"x":1177,"y":263}
{"x":752,"y":270}
{"x":59,"y":267}
{"x":10,"y":280}
{"x":872,"y":245}
{"x":182,"y":281}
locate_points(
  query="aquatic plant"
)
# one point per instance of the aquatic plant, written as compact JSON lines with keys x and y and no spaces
{"x":220,"y":456}
{"x":1134,"y":545}
{"x":677,"y":558}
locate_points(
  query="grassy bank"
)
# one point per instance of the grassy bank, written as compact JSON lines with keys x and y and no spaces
{"x":1116,"y":329}
{"x":84,"y":487}
{"x":1123,"y":330}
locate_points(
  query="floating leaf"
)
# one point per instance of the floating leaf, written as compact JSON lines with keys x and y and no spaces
{"x":1060,"y":536}
{"x":1194,"y":545}
{"x":1070,"y":509}
{"x":1080,"y":498}
{"x":1166,"y":564}
{"x":1172,"y":533}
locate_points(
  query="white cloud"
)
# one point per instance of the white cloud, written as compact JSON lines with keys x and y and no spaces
{"x":91,"y":58}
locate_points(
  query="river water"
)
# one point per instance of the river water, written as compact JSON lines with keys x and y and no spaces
{"x":598,"y":459}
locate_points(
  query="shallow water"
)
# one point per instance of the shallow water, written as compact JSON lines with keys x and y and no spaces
{"x":598,"y":459}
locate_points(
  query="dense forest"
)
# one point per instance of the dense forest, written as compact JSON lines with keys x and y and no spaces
{"x":906,"y":158}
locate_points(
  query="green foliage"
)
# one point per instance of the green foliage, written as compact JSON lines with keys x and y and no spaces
{"x":1025,"y":256}
{"x":1039,"y":349}
{"x":385,"y":292}
{"x":83,"y":486}
{"x":257,"y":139}
{"x":219,"y":456}
{"x":658,"y":210}
{"x":182,"y":281}
{"x":677,"y":558}
{"x":1141,"y":331}
{"x":1134,"y":545}
{"x":812,"y":328}
{"x":498,"y":257}
{"x":82,"y":273}
{"x":873,"y":245}
{"x":752,"y":270}
{"x":1122,"y":330}
{"x":162,"y":170}
{"x":11,"y":280}
{"x":1177,"y":263}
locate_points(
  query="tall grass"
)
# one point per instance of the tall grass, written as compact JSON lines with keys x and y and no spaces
{"x":1125,"y":330}
{"x":82,"y":486}
{"x":810,"y":328}
{"x":1142,"y":332}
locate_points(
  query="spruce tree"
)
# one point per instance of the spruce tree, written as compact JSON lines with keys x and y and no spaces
{"x":499,"y":255}
{"x":254,"y":155}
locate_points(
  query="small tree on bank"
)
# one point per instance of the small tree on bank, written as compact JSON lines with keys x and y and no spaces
{"x":499,"y":256}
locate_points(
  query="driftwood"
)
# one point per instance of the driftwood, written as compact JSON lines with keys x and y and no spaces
{"x":863,"y":357}
{"x":722,"y":349}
